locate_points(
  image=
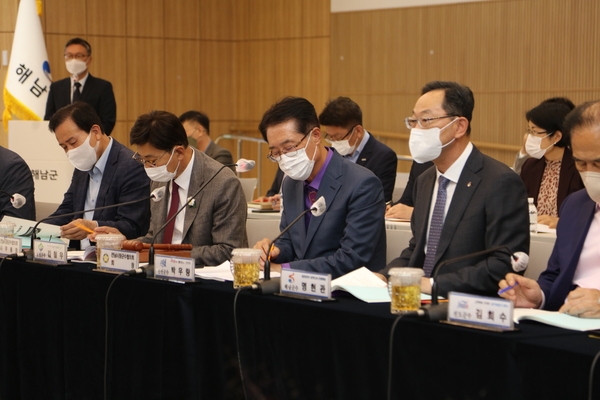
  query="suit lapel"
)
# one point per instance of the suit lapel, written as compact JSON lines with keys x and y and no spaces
{"x":367,"y":152}
{"x":107,"y":177}
{"x":196,"y":181}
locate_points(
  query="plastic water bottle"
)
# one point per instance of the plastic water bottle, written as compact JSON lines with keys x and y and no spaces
{"x":533,"y":216}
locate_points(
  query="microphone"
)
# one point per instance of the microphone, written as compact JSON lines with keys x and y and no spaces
{"x":317,"y":209}
{"x":435,"y":311}
{"x":17,"y":200}
{"x":242,"y":165}
{"x":157,"y":195}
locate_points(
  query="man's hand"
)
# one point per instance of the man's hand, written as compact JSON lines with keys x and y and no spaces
{"x":264,"y":245}
{"x":584,"y":303}
{"x":101,"y":230}
{"x":425,"y":285}
{"x":526,"y":294}
{"x":400,"y":210}
{"x":548,"y":220}
{"x":381,"y":276}
{"x":77,"y":229}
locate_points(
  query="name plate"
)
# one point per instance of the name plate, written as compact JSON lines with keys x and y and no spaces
{"x":481,"y":311}
{"x":10,"y":245}
{"x":176,"y":269}
{"x":118,"y":260}
{"x":311,"y":285}
{"x":49,"y":251}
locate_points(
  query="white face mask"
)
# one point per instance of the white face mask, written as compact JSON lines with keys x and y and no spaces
{"x":75,"y":66}
{"x":343,"y":146}
{"x":300,"y":166}
{"x":533,"y":146}
{"x":425,"y":144}
{"x":591,"y":180}
{"x":84,"y":157}
{"x":161,"y":174}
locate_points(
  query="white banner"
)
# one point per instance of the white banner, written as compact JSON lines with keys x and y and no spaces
{"x":28,"y":78}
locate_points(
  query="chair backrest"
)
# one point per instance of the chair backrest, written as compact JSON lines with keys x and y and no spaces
{"x":249,"y":186}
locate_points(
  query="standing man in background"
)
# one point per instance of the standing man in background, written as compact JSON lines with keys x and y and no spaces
{"x":15,"y":177}
{"x":82,"y":86}
{"x":197,"y":127}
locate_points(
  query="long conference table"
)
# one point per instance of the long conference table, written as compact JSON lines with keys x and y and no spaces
{"x":164,"y":340}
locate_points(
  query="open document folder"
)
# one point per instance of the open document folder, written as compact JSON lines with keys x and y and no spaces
{"x":24,"y":228}
{"x":223,"y":273}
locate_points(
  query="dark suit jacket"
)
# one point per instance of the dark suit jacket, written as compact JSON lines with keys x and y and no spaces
{"x":488,"y":209}
{"x":556,"y":281}
{"x":124,"y":179}
{"x":416,"y":169}
{"x":569,"y":180}
{"x":96,"y":92}
{"x":15,"y":177}
{"x":351,"y":232}
{"x":383,"y":161}
{"x":219,"y":153}
{"x":217,"y":223}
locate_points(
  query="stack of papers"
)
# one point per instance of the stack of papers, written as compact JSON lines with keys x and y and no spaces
{"x":222,"y":273}
{"x":555,"y":318}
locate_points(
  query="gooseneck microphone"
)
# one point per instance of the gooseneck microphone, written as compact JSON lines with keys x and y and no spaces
{"x":435,"y":311}
{"x":156,"y":195}
{"x":317,"y":209}
{"x":17,"y":200}
{"x":242,"y":165}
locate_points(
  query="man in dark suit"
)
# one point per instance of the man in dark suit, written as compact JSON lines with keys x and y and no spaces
{"x":105,"y":174}
{"x":403,"y":208}
{"x":351,"y":232}
{"x":468,"y":203}
{"x":15,"y":178}
{"x":571,"y":282}
{"x":197,"y":127}
{"x":341,"y":122}
{"x":82,"y":86}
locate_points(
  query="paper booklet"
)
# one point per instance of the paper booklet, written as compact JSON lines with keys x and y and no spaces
{"x":24,"y":228}
{"x":364,"y":285}
{"x":555,"y":318}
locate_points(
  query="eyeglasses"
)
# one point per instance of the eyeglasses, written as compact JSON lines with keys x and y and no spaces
{"x":423,"y":122}
{"x":290,"y":151}
{"x":79,"y":56}
{"x":330,"y":139}
{"x":145,"y":162}
{"x":530,"y":132}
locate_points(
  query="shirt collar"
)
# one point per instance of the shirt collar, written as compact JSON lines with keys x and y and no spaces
{"x":100,"y":165}
{"x":82,"y":80}
{"x":354,"y":156}
{"x":316,"y":182}
{"x":453,"y":173}
{"x":183,"y":180}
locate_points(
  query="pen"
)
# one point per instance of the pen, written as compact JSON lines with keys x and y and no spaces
{"x":506,"y":289}
{"x":85,"y":228}
{"x":271,"y":250}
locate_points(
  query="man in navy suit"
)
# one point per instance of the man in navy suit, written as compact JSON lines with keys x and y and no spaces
{"x":351,"y":232}
{"x":571,"y":282}
{"x":468,"y":203}
{"x":82,"y":86}
{"x":341,"y":122}
{"x":105,"y":174}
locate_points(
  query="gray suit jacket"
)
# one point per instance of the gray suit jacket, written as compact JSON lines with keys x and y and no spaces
{"x":217,"y":223}
{"x":488,"y":209}
{"x":219,"y":153}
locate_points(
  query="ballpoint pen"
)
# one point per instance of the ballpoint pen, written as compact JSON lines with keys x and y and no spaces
{"x":506,"y":289}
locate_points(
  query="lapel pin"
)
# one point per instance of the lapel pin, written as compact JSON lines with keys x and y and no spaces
{"x":469,"y":184}
{"x":191,"y":202}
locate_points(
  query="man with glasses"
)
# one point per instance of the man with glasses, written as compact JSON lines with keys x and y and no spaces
{"x":351,"y":232}
{"x":214,"y":222}
{"x":341,"y":122}
{"x":82,"y":86}
{"x":105,"y":174}
{"x":468,"y":203}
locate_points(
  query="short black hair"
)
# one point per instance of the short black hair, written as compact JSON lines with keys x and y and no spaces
{"x":561,"y":100}
{"x":458,"y":99}
{"x":583,"y":116}
{"x":81,"y":113}
{"x":198,"y":117}
{"x":342,"y":112}
{"x":81,"y":42}
{"x":550,"y":116}
{"x":290,"y":108}
{"x":161,"y":129}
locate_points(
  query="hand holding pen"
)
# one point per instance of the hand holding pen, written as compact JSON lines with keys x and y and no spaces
{"x":523,"y":292}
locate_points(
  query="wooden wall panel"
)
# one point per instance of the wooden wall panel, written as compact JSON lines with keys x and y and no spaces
{"x":181,"y":18}
{"x":65,"y":16}
{"x":109,"y":58}
{"x":8,"y":16}
{"x":145,"y":76}
{"x":106,"y":17}
{"x":216,"y":58}
{"x":221,"y":19}
{"x":145,"y":18}
{"x":182,"y":82}
{"x":274,"y":19}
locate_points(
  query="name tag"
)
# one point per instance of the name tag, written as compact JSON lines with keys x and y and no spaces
{"x":10,"y":245}
{"x":305,"y":284}
{"x":479,"y":310}
{"x":49,"y":251}
{"x":118,"y":260}
{"x":177,"y":269}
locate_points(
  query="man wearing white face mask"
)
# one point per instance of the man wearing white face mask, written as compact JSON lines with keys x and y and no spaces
{"x":82,"y":86}
{"x":104,"y":175}
{"x":571,"y":282}
{"x":341,"y":120}
{"x":351,"y":232}
{"x":468,"y":202}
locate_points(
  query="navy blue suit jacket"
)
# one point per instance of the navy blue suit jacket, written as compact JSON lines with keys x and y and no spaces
{"x":124,"y":179}
{"x":556,"y":281}
{"x":382,"y":161}
{"x":351,"y":232}
{"x":15,"y":177}
{"x":96,"y":92}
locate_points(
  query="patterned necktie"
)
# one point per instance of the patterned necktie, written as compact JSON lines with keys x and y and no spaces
{"x":437,"y":222}
{"x":168,"y":235}
{"x":77,"y":92}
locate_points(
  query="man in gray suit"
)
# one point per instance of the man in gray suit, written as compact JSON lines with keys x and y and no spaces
{"x":214,"y":222}
{"x":468,"y":203}
{"x":197,"y":128}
